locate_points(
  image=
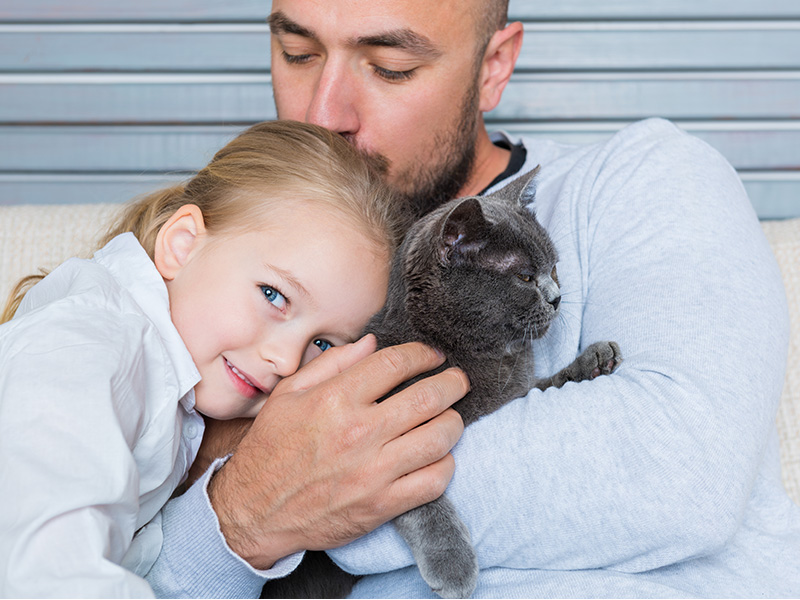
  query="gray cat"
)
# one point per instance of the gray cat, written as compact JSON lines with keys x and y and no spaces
{"x":475,"y":278}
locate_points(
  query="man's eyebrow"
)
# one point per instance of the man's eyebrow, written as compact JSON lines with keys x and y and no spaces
{"x":279,"y":23}
{"x":402,"y":39}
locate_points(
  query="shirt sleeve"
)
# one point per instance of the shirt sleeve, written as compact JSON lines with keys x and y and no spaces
{"x":654,"y":464}
{"x":195,"y":561}
{"x":70,"y":483}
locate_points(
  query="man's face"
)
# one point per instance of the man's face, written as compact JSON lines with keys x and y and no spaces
{"x":398,"y":78}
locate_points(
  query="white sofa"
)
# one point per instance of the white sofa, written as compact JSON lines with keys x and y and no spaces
{"x":33,"y":236}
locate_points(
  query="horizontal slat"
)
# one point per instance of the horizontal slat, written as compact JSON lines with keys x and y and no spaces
{"x":748,"y":145}
{"x":751,"y":145}
{"x":674,"y":95}
{"x":248,"y":98}
{"x":140,"y":10}
{"x":77,"y":189}
{"x":136,"y":98}
{"x":639,"y":9}
{"x":774,"y":195}
{"x":548,"y":46}
{"x":160,"y":10}
{"x":676,"y":45}
{"x":138,"y":47}
{"x":115,"y":149}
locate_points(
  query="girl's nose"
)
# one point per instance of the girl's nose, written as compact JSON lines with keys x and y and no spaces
{"x":285,"y":356}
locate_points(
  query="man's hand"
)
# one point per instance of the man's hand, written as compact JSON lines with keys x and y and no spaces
{"x":324,"y":463}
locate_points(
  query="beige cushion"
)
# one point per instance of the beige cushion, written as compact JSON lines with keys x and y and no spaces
{"x":36,"y":236}
{"x":784,"y":237}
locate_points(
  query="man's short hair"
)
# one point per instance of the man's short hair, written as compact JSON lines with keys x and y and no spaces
{"x":490,"y":15}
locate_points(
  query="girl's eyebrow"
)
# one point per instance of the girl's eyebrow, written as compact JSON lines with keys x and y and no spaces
{"x":290,"y":279}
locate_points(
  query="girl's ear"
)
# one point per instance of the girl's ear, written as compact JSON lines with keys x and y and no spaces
{"x":177,"y":240}
{"x":498,"y":64}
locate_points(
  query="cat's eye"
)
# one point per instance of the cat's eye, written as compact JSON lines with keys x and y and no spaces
{"x":554,"y":275}
{"x":524,"y":277}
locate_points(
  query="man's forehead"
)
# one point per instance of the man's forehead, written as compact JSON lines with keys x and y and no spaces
{"x":409,"y":24}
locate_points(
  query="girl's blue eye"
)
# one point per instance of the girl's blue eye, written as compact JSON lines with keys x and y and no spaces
{"x":323,"y":344}
{"x":274,"y":297}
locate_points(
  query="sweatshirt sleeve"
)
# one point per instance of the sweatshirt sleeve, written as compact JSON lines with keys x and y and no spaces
{"x":195,"y":561}
{"x":662,"y":253}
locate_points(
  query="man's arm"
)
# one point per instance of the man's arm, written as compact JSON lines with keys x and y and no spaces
{"x":323,"y":463}
{"x":654,"y":464}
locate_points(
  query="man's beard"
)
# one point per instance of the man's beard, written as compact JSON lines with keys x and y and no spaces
{"x":426,"y":185}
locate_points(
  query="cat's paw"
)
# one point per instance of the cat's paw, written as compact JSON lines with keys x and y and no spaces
{"x":601,"y":358}
{"x":452,"y":572}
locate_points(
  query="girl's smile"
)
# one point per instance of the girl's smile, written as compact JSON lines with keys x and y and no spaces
{"x":243,"y":383}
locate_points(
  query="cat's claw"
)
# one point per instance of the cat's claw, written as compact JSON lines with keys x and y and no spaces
{"x":601,"y":358}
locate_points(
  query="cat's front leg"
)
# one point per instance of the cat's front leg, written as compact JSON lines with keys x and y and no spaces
{"x":441,"y":545}
{"x":601,"y":358}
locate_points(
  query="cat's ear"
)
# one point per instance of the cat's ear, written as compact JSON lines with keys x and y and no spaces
{"x":464,"y":230}
{"x":521,"y":191}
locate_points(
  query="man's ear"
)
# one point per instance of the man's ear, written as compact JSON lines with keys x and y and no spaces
{"x":178,"y":239}
{"x":498,"y":64}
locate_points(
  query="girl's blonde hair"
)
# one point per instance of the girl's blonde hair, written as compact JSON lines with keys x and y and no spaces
{"x":270,"y":163}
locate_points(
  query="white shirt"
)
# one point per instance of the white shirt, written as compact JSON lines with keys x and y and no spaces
{"x":97,"y":426}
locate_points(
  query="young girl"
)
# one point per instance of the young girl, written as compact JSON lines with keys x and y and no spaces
{"x":201,"y":299}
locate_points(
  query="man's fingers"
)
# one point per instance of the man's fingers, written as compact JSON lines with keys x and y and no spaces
{"x":365,"y":376}
{"x":330,"y":363}
{"x":423,"y":485}
{"x":423,"y":400}
{"x":423,"y":445}
{"x":380,"y":373}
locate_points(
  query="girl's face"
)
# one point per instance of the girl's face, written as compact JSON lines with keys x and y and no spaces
{"x":253,"y":307}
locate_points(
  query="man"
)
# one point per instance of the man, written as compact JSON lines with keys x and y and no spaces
{"x":660,"y":480}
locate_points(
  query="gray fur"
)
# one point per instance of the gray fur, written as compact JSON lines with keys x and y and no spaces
{"x":476,"y":279}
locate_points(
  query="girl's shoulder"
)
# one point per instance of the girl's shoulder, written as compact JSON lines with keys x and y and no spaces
{"x":78,"y":303}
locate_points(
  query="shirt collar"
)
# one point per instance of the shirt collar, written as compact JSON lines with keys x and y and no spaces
{"x":129,"y":264}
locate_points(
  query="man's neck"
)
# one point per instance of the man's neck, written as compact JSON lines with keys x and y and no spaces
{"x":490,"y":161}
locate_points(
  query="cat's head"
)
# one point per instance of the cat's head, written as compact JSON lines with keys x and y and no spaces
{"x":483,"y":264}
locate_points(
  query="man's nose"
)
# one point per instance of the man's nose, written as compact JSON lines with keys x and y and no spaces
{"x":333,"y":105}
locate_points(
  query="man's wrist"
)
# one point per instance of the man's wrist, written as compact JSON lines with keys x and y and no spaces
{"x":226,"y":496}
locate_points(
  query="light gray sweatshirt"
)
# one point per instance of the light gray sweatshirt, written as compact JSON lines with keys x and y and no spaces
{"x":661,"y":480}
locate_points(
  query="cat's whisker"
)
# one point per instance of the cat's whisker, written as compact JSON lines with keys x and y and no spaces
{"x":528,"y":341}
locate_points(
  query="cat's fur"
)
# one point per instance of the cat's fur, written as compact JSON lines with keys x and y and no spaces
{"x":476,"y":279}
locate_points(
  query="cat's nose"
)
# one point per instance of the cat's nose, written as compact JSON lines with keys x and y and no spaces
{"x":549,"y":290}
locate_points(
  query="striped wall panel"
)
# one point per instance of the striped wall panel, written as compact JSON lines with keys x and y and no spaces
{"x":101,"y":100}
{"x":252,"y":10}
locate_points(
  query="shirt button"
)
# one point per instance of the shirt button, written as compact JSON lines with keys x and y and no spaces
{"x":190,"y":430}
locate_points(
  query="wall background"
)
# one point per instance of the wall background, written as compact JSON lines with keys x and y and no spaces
{"x":101,"y":100}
